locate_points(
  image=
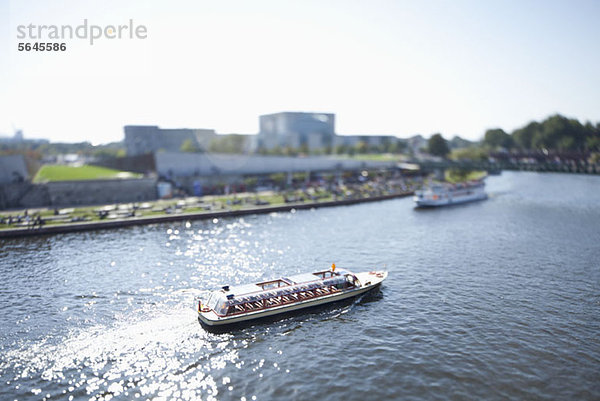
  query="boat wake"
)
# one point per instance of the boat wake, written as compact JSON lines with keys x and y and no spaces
{"x":167,"y":352}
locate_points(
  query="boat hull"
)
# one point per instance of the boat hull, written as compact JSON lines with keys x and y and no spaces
{"x":423,"y":202}
{"x":211,"y":321}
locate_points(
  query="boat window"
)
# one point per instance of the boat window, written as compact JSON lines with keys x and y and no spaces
{"x":351,"y":280}
{"x":257,"y":297}
{"x":211,"y":300}
{"x":221,"y":304}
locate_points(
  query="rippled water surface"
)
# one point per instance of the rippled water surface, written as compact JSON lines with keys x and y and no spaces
{"x":492,"y":300}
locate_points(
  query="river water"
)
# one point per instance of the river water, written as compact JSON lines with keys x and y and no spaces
{"x":497,"y":299}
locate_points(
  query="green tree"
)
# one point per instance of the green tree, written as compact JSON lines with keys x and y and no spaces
{"x":250,"y":182}
{"x":437,"y":146}
{"x":276,"y":151}
{"x":341,"y":149}
{"x":278,"y":178}
{"x":386,"y":145}
{"x":289,"y":151}
{"x":399,"y":147}
{"x":593,"y":143}
{"x":472,"y":153}
{"x":232,"y":143}
{"x":361,"y":147}
{"x":189,"y":146}
{"x":497,"y":138}
{"x":552,"y":129}
{"x":523,"y":137}
{"x":555,"y":133}
{"x":457,"y":142}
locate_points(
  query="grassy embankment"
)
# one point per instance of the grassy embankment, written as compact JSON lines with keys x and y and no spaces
{"x":455,"y":176}
{"x":67,"y":173}
{"x":158,"y":208}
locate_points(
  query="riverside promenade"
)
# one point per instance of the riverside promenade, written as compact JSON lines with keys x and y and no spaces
{"x":203,"y":215}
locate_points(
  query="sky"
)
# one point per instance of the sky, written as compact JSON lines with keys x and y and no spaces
{"x":383,"y":67}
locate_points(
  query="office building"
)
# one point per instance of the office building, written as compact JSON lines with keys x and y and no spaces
{"x":312,"y":131}
{"x":142,"y":139}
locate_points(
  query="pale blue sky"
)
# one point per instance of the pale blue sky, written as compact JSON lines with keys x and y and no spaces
{"x":383,"y":67}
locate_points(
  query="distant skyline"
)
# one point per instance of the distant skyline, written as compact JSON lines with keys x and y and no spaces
{"x":383,"y":67}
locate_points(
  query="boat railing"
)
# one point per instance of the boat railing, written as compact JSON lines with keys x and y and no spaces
{"x":301,"y":293}
{"x":225,"y":302}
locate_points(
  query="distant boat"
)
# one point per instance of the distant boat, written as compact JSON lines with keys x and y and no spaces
{"x":231,"y":305}
{"x":445,"y":194}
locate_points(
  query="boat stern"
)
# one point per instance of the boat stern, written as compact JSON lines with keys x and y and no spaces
{"x":205,"y":314}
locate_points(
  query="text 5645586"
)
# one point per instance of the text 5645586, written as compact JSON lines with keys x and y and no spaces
{"x":42,"y":47}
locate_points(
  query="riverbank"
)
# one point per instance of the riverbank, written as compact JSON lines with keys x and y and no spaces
{"x":204,"y":215}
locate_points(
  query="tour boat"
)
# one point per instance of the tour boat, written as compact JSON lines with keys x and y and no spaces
{"x":236,"y":304}
{"x":450,"y":194}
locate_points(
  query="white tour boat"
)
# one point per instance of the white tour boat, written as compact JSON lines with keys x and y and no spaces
{"x":450,"y":194}
{"x":238,"y":304}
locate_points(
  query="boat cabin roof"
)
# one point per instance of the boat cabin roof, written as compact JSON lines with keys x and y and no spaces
{"x":303,"y":278}
{"x":244,"y":289}
{"x":221,"y":299}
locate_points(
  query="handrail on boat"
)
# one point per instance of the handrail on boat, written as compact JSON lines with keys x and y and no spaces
{"x":279,"y":300}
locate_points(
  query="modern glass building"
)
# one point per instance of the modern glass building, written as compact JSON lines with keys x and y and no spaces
{"x":296,"y":130}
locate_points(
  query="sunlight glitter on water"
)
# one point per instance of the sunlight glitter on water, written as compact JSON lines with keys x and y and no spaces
{"x":159,"y":349}
{"x":150,"y":356}
{"x":493,"y":300}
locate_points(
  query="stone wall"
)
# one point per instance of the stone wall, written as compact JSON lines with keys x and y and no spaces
{"x":76,"y":193}
{"x":11,"y":194}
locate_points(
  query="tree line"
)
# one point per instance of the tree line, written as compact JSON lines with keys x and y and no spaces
{"x":554,"y":134}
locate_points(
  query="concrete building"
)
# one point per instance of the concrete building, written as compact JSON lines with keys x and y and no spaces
{"x":19,"y":138}
{"x":142,"y":139}
{"x":233,"y":143}
{"x":416,"y":143}
{"x":296,"y":129}
{"x":312,"y":132}
{"x":188,"y":169}
{"x":13,"y":169}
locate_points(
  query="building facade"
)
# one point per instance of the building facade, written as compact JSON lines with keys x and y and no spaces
{"x":143,"y":139}
{"x":190,"y":169}
{"x":13,"y":169}
{"x":312,"y":131}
